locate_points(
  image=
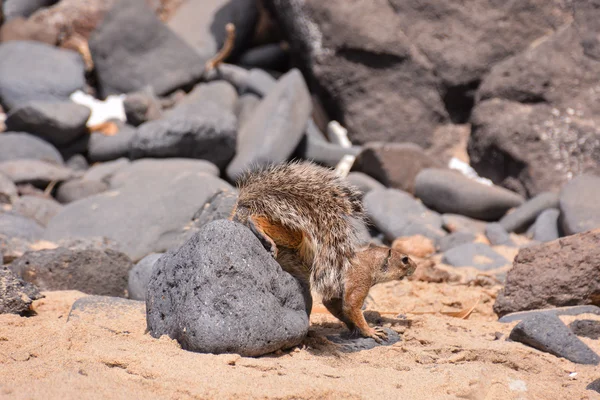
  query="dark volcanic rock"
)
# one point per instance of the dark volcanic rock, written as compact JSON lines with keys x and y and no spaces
{"x":545,"y":228}
{"x":169,"y":190}
{"x":243,"y":14}
{"x":497,"y":235}
{"x":139,"y":276}
{"x":451,"y":192}
{"x":221,"y":93}
{"x":209,"y":134}
{"x":132,"y":49}
{"x":106,"y":170}
{"x":477,"y":255}
{"x":460,"y":223}
{"x":396,"y":165}
{"x":523,"y":216}
{"x":349,"y":344}
{"x":397,"y":213}
{"x":8,"y":190}
{"x":276,"y":127}
{"x":24,"y":73}
{"x":270,"y":56}
{"x":219,"y":206}
{"x":35,"y":172}
{"x":93,"y":271}
{"x":77,"y":189}
{"x":560,"y":273}
{"x":39,"y":209}
{"x":364,"y":182}
{"x":16,"y":295}
{"x":77,"y":163}
{"x":59,"y":123}
{"x":142,"y":106}
{"x":455,"y":239}
{"x":574,"y":310}
{"x":588,"y":328}
{"x":122,"y":173}
{"x":595,"y":386}
{"x":107,"y":148}
{"x":547,"y":333}
{"x":17,"y":226}
{"x":579,"y":204}
{"x":221,"y":292}
{"x":16,"y":146}
{"x":531,"y":148}
{"x":23,"y":8}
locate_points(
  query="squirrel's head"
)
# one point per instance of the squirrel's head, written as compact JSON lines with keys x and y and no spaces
{"x":389,"y":264}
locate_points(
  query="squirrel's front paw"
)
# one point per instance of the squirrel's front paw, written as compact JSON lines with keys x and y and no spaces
{"x":377,"y":333}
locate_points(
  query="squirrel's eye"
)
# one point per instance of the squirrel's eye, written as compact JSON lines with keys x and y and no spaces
{"x":405,"y":260}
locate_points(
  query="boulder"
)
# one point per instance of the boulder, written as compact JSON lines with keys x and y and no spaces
{"x":59,"y":123}
{"x":35,"y":172}
{"x":139,"y":276}
{"x":564,"y":272}
{"x":448,"y":191}
{"x":106,"y":148}
{"x":93,"y":271}
{"x":16,"y":295}
{"x":146,"y":211}
{"x":276,"y":127}
{"x":221,"y":292}
{"x":132,"y":49}
{"x":579,"y":206}
{"x":17,"y":145}
{"x":397,"y":213}
{"x":25,"y":77}
{"x":531,"y":148}
{"x":395,"y":165}
{"x":523,"y":216}
{"x":39,"y":209}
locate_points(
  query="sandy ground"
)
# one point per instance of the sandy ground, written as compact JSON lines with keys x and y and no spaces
{"x":109,"y":356}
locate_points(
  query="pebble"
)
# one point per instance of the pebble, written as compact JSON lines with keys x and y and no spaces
{"x":77,"y":189}
{"x":39,"y":209}
{"x":221,"y":292}
{"x":460,"y":223}
{"x":455,"y":239}
{"x":19,"y":145}
{"x":107,"y":148}
{"x":523,"y":216}
{"x":477,"y":255}
{"x":8,"y":190}
{"x":142,"y":106}
{"x":545,"y":228}
{"x":364,"y":182}
{"x":579,"y":207}
{"x":588,"y":328}
{"x":349,"y":344}
{"x":15,"y":225}
{"x":497,"y":235}
{"x":547,"y":333}
{"x":139,"y":276}
{"x":35,"y":172}
{"x":451,"y":192}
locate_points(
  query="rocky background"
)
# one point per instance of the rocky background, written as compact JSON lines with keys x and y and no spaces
{"x":474,"y":130}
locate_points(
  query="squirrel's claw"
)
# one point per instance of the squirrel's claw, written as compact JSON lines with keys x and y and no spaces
{"x":378,"y":334}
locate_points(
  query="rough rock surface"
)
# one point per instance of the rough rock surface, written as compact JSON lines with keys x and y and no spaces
{"x":221,"y":292}
{"x":560,"y":273}
{"x":16,"y":295}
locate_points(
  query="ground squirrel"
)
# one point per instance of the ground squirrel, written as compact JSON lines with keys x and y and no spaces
{"x":302,"y":214}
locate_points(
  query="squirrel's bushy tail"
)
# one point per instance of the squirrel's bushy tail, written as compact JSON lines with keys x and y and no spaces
{"x":307,"y":198}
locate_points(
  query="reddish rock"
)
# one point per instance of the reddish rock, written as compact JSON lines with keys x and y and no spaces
{"x":563,"y":272}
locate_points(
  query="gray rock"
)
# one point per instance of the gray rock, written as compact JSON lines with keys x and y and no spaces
{"x":77,"y":163}
{"x":579,"y":206}
{"x":208,"y":133}
{"x":17,"y":145}
{"x":258,"y":82}
{"x":87,"y":310}
{"x":35,"y":172}
{"x":24,"y":76}
{"x":59,"y":123}
{"x":477,"y":255}
{"x":16,"y":295}
{"x":594,"y":385}
{"x":14,"y":225}
{"x":23,"y":8}
{"x":233,"y":74}
{"x":222,"y":93}
{"x":139,"y":276}
{"x":145,"y":170}
{"x":545,"y":228}
{"x":364,"y":182}
{"x":132,"y":49}
{"x":105,"y":171}
{"x":573,"y":310}
{"x":455,"y":239}
{"x":396,"y":213}
{"x":244,"y":15}
{"x":39,"y":209}
{"x":451,"y":192}
{"x":351,"y":345}
{"x":146,"y":211}
{"x":221,"y":292}
{"x":460,"y":223}
{"x":396,"y":165}
{"x":8,"y":190}
{"x":270,"y":56}
{"x":523,"y":216}
{"x":93,"y":271}
{"x":547,"y":333}
{"x":219,"y":206}
{"x":323,"y":152}
{"x":107,"y":148}
{"x":245,"y":107}
{"x":142,"y":106}
{"x":77,"y":189}
{"x":497,"y":235}
{"x":588,"y":328}
{"x":274,"y":131}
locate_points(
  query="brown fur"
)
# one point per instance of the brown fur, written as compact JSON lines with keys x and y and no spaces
{"x":302,"y":213}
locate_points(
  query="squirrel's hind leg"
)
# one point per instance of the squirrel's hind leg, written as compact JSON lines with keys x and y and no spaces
{"x":354,"y":297}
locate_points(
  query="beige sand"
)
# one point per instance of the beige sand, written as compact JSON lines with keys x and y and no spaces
{"x":440,"y":357}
